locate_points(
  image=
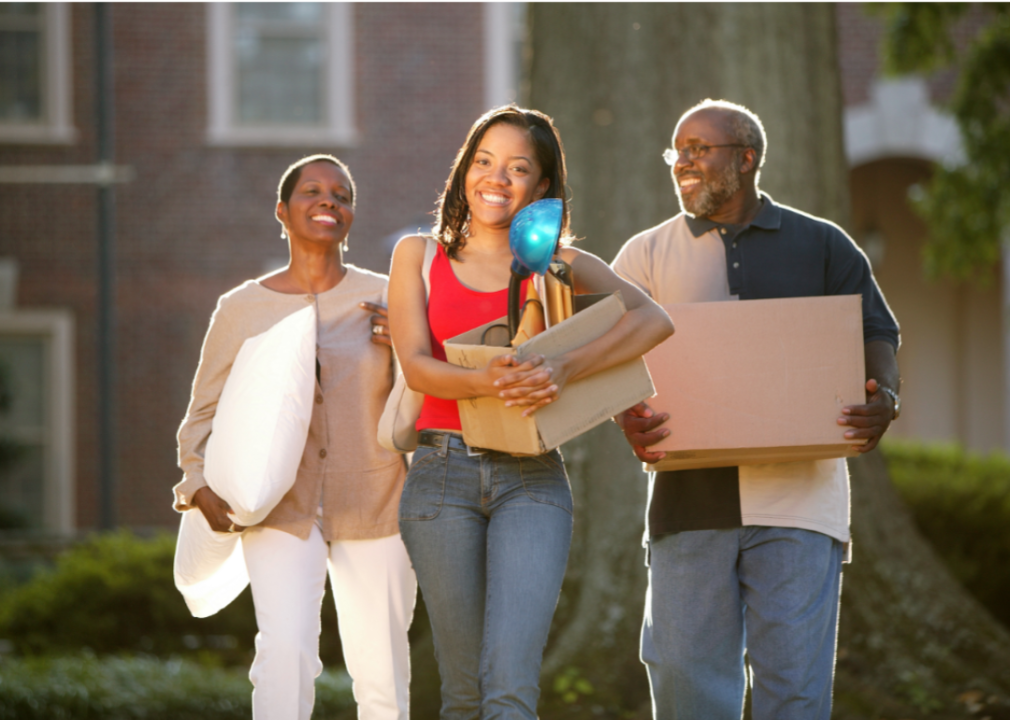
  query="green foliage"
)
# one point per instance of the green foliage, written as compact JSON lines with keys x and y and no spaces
{"x":918,"y":35}
{"x":84,"y":687}
{"x":964,"y":207}
{"x":961,"y":503}
{"x":571,"y":685}
{"x":115,"y":593}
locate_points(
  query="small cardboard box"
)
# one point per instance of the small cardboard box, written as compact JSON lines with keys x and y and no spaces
{"x":758,"y":381}
{"x":583,"y":404}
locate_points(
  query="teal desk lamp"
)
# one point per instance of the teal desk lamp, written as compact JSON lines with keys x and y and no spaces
{"x":533,"y":238}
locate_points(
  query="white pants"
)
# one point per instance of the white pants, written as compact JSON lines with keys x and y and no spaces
{"x":374,"y":587}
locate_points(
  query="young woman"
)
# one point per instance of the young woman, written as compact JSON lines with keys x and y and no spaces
{"x":341,"y":512}
{"x":488,"y":533}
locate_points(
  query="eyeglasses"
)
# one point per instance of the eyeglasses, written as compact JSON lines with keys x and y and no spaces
{"x":693,"y":152}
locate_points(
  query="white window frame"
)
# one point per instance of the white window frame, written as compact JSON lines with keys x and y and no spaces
{"x":57,"y":125}
{"x":56,"y":328}
{"x":339,"y":83}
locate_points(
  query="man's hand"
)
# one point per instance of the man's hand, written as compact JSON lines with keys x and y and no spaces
{"x":871,"y":420}
{"x":380,"y":323}
{"x":215,"y":510}
{"x":640,"y":424}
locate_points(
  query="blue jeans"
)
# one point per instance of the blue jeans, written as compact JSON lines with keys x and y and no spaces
{"x":488,"y":536}
{"x":714,"y":594}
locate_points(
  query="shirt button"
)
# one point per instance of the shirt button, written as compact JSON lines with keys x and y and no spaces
{"x":322,"y":453}
{"x":722,"y":230}
{"x":734,"y":244}
{"x":319,"y":399}
{"x":736,"y":265}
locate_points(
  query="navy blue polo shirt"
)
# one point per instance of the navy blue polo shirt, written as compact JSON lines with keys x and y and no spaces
{"x":781,"y":253}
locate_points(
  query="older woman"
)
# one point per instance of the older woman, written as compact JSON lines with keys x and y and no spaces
{"x":489,"y":533}
{"x":341,"y":512}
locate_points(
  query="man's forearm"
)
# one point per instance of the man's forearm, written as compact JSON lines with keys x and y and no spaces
{"x":882,"y":365}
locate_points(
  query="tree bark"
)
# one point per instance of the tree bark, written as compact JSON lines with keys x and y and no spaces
{"x":616,"y":77}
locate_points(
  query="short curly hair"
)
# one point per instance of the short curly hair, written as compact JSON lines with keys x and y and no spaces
{"x":744,"y":125}
{"x":290,"y":177}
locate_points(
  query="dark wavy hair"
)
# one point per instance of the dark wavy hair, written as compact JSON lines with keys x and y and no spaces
{"x":290,"y":177}
{"x":452,"y":214}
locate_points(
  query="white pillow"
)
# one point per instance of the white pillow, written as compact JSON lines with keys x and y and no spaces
{"x":262,"y":418}
{"x":209,"y":566}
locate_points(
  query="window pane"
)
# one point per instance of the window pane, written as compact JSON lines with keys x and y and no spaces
{"x":300,"y":12}
{"x":22,"y":400}
{"x":20,"y":76}
{"x":279,"y":79}
{"x":22,"y":481}
{"x":22,"y":432}
{"x":20,"y":9}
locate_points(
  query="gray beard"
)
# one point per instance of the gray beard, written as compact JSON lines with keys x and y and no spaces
{"x":714,"y":193}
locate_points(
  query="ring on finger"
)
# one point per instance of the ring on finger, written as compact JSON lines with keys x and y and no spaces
{"x":232,"y":528}
{"x":376,"y":329}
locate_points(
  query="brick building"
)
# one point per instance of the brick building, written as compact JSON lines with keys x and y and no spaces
{"x":204,"y":129}
{"x":211,"y":103}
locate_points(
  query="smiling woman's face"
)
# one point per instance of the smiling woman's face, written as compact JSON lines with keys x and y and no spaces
{"x":503,"y":178}
{"x":321,"y":207}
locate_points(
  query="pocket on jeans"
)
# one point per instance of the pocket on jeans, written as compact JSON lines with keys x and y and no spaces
{"x":545,"y":479}
{"x":424,"y":488}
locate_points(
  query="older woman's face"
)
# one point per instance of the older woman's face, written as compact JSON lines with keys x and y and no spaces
{"x":321,"y":207}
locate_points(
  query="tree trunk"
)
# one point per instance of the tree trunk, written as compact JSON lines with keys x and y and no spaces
{"x":616,"y":77}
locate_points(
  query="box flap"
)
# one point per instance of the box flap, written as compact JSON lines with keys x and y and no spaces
{"x":586,"y":403}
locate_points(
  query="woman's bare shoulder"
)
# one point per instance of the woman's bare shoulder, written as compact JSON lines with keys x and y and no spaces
{"x":410,"y":249}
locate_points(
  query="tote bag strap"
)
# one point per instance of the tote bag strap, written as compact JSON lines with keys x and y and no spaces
{"x":430,"y":250}
{"x":396,"y":430}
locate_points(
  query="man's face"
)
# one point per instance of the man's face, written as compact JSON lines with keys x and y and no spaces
{"x":705,"y":184}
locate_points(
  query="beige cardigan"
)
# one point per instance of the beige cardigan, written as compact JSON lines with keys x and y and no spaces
{"x":343,"y":467}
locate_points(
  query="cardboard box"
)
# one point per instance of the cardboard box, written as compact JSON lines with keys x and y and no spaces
{"x":758,"y":381}
{"x":583,"y":404}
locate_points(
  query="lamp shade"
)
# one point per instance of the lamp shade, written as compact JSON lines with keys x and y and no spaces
{"x":534,"y":234}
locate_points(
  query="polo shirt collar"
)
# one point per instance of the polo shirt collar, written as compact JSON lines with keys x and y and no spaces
{"x":769,"y":217}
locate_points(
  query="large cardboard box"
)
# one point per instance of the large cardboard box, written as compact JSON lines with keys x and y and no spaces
{"x":758,"y":381}
{"x":583,"y":404}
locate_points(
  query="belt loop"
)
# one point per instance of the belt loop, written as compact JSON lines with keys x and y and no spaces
{"x":444,"y":450}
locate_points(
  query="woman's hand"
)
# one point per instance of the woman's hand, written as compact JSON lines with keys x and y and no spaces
{"x":380,"y":323}
{"x":536,"y":389}
{"x":215,"y":510}
{"x":510,"y":378}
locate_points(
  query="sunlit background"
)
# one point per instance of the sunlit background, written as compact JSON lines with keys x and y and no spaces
{"x":131,"y":199}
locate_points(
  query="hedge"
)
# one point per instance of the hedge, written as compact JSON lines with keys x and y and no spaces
{"x":961,"y":503}
{"x":84,"y":687}
{"x":115,"y":593}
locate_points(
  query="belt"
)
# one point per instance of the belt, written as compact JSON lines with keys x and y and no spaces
{"x":435,"y":439}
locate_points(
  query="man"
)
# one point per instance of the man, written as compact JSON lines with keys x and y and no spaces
{"x":748,"y":558}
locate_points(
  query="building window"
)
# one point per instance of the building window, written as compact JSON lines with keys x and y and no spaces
{"x":36,"y":421}
{"x":280,"y":74}
{"x":35,"y":92}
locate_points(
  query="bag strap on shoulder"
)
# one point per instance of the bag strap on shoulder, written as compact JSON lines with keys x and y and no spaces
{"x":430,"y":250}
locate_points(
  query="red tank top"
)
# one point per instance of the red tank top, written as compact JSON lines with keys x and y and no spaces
{"x":453,"y":309}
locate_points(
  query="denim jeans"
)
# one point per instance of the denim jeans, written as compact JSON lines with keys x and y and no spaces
{"x":714,"y":594}
{"x":488,"y":536}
